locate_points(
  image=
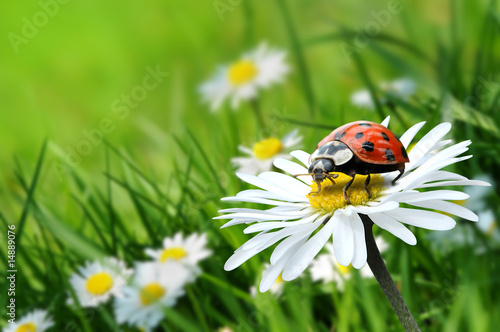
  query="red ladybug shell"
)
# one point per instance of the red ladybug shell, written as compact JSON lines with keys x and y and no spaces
{"x":370,"y":142}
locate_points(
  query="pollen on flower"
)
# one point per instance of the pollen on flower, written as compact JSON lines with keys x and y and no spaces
{"x":99,"y":283}
{"x":331,"y":197}
{"x":174,"y":253}
{"x":267,"y":148}
{"x":151,"y":293}
{"x":26,"y":327}
{"x":242,"y":72}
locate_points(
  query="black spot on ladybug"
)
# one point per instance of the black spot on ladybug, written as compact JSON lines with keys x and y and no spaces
{"x":340,"y":135}
{"x":403,"y":151}
{"x":363,"y":124}
{"x":384,"y":135}
{"x":359,"y":135}
{"x":368,"y":146}
{"x":389,"y":155}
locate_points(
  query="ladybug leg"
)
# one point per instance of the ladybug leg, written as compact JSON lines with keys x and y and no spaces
{"x":348,"y":184}
{"x":401,"y":171}
{"x":319,"y":188}
{"x":367,"y":182}
{"x":331,"y":177}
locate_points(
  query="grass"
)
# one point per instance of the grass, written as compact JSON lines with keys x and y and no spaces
{"x":166,"y":166}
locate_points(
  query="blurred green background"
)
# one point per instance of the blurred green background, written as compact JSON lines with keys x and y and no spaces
{"x":170,"y":150}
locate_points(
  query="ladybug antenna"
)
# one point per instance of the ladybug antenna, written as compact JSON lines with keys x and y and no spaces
{"x":311,"y":174}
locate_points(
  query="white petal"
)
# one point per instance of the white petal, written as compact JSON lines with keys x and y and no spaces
{"x":436,"y":194}
{"x":261,"y":183}
{"x":385,"y":123}
{"x":258,"y":193}
{"x":448,"y":207}
{"x":456,"y":183}
{"x":270,"y":276}
{"x":264,"y":240}
{"x":302,"y":156}
{"x":292,"y":168}
{"x":408,"y":136}
{"x":391,"y":205}
{"x":306,"y":253}
{"x":424,"y":219}
{"x":285,"y":246}
{"x":343,"y":239}
{"x":265,"y":226}
{"x":360,"y":254}
{"x":394,"y":227}
{"x":286,"y":182}
{"x":262,"y":201}
{"x":265,"y":215}
{"x":239,"y":257}
{"x":237,"y":221}
{"x":427,"y":142}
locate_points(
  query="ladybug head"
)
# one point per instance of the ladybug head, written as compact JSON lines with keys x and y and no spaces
{"x":320,"y":169}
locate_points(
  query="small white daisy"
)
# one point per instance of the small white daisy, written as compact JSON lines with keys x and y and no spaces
{"x":34,"y":321}
{"x":155,"y":286}
{"x":188,"y":251}
{"x":260,"y":157}
{"x":276,"y":289}
{"x":305,"y":222}
{"x":96,"y":282}
{"x":402,"y":89}
{"x":327,"y":269}
{"x":242,"y":79}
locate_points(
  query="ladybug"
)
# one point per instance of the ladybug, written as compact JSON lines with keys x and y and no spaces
{"x":360,"y":147}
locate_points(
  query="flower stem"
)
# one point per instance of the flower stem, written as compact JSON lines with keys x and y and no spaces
{"x":258,"y":114}
{"x":384,"y":278}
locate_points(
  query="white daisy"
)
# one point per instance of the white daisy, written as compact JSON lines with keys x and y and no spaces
{"x":402,"y":89}
{"x":96,"y":282}
{"x":260,"y":157}
{"x":306,"y":222}
{"x":155,"y":286}
{"x":242,"y":79}
{"x":36,"y":320}
{"x":327,"y":269}
{"x":188,"y":251}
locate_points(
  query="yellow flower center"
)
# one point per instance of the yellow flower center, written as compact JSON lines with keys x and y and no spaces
{"x":331,"y":197}
{"x":26,"y":327}
{"x":344,"y":269}
{"x":151,"y":293}
{"x":242,"y":72}
{"x":491,"y":229}
{"x":267,"y":148}
{"x":280,"y":279}
{"x":99,"y":283}
{"x":174,"y":253}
